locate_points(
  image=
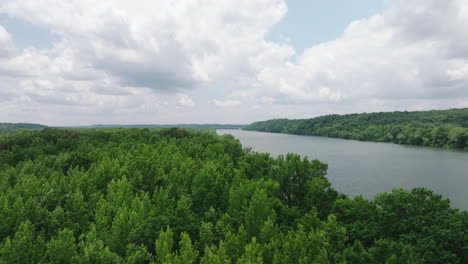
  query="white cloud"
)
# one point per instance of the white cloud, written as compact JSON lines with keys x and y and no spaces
{"x":164,"y":45}
{"x":415,"y":50}
{"x":458,"y":71}
{"x":126,"y":61}
{"x":109,"y":52}
{"x":6,"y":44}
{"x":225,"y":103}
{"x":184,"y":100}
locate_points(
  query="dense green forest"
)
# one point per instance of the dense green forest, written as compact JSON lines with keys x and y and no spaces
{"x":438,"y":128}
{"x":12,"y":127}
{"x":181,"y":196}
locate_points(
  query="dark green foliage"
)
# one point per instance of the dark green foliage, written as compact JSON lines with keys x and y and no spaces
{"x":425,"y":220}
{"x":180,"y":196}
{"x":446,"y":128}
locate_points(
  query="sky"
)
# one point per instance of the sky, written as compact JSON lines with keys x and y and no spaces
{"x":82,"y":62}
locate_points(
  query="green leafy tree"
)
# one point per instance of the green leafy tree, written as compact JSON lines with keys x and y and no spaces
{"x":25,"y":247}
{"x":253,"y":253}
{"x":164,"y":246}
{"x":215,"y":255}
{"x":62,"y":249}
{"x":187,"y":253}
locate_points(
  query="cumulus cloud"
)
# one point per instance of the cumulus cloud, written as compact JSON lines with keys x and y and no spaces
{"x":415,"y":50}
{"x":37,"y":86}
{"x":225,"y":103}
{"x":164,"y":45}
{"x":113,"y":51}
{"x":113,"y":55}
{"x":120,"y":59}
{"x":6,"y":44}
{"x":184,"y":100}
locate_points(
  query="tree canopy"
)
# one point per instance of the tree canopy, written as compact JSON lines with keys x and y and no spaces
{"x":185,"y":196}
{"x":12,"y":127}
{"x":437,"y":128}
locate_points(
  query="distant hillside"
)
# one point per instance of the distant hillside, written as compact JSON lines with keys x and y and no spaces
{"x":217,"y":126}
{"x":439,"y":128}
{"x":11,"y":127}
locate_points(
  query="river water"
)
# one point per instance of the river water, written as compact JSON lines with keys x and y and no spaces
{"x":369,"y":168}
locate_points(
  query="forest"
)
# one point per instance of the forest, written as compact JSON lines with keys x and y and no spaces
{"x":13,"y":127}
{"x":184,"y":196}
{"x":436,"y":128}
{"x":197,"y":126}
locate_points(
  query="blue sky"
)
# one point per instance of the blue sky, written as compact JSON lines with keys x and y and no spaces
{"x":26,"y":34}
{"x":309,"y":23}
{"x":84,"y":62}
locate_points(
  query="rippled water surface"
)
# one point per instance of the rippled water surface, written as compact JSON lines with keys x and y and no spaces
{"x":368,"y":168}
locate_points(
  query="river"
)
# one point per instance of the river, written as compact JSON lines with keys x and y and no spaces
{"x":369,"y":168}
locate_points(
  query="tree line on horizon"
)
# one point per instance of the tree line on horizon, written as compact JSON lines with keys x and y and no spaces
{"x":6,"y":128}
{"x":436,"y":128}
{"x":185,"y":196}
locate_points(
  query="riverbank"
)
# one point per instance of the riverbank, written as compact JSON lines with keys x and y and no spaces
{"x":436,"y":128}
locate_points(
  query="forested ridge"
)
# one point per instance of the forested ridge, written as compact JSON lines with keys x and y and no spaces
{"x":182,"y":196}
{"x":12,"y":127}
{"x":438,"y":128}
{"x":198,"y":126}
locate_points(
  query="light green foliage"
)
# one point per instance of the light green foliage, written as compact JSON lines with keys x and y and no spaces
{"x":215,"y":255}
{"x":207,"y":235}
{"x":62,"y":249}
{"x":164,"y":246}
{"x":252,"y":254}
{"x":93,"y":250}
{"x":258,"y":211}
{"x":166,"y":254}
{"x":137,"y":254}
{"x":384,"y":251}
{"x":24,"y":247}
{"x":187,"y":254}
{"x":185,"y":197}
